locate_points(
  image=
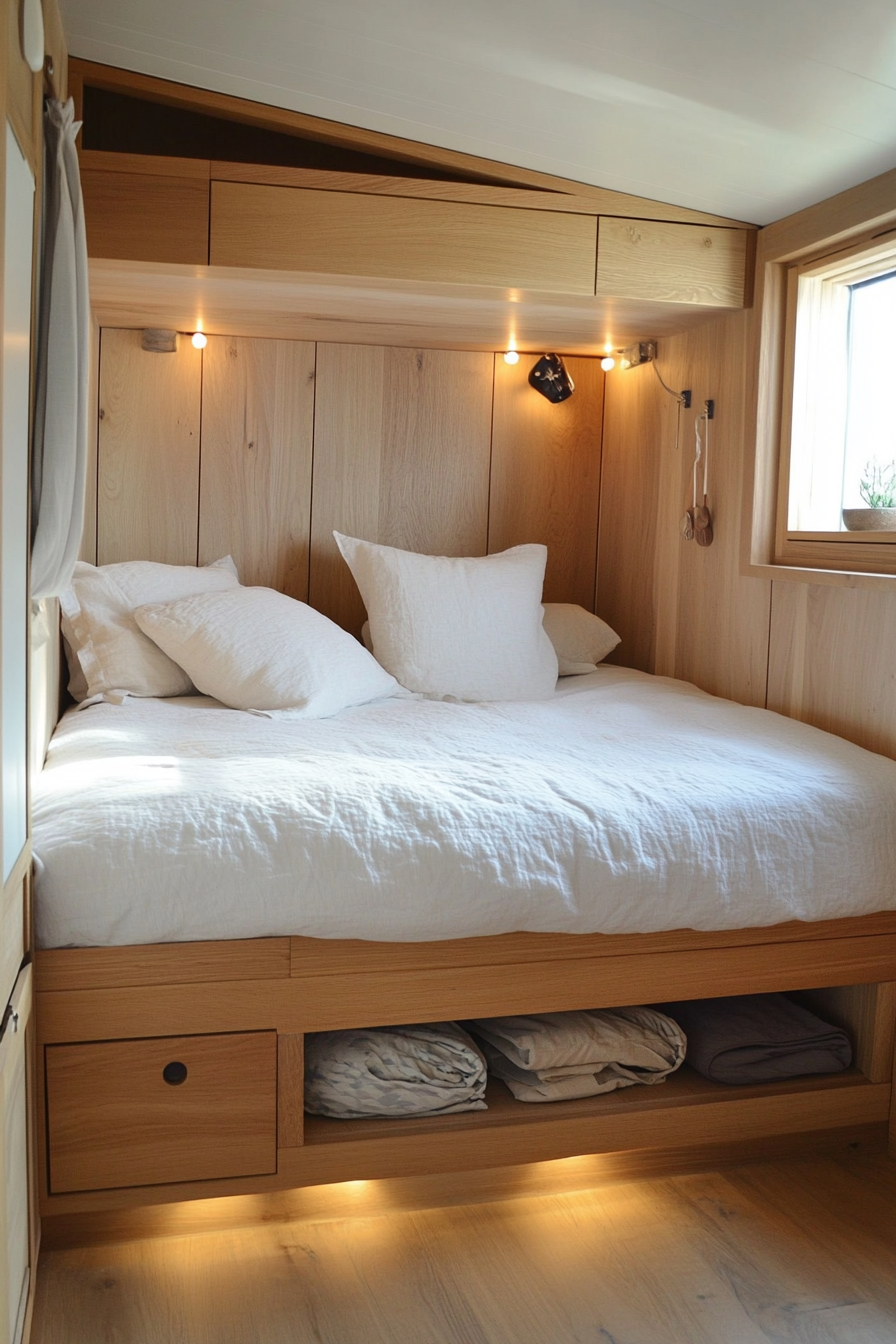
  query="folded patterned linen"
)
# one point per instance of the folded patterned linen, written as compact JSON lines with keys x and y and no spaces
{"x":559,"y":1056}
{"x":425,"y":1069}
{"x":758,"y":1038}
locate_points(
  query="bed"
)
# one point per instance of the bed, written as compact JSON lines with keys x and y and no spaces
{"x":211,"y":885}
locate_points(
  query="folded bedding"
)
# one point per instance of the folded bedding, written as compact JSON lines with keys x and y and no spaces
{"x":558,"y":1056}
{"x":758,"y":1038}
{"x":622,"y":803}
{"x":429,"y":1069}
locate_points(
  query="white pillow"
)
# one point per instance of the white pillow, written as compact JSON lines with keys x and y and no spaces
{"x":107,"y":654}
{"x":257,"y":649}
{"x":469,"y":629}
{"x":580,"y":639}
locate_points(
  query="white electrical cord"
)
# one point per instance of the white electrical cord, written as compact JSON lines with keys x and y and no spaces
{"x":701,"y":452}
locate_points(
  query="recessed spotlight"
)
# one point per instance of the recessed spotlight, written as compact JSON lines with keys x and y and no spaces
{"x":608,"y":363}
{"x":199,"y":340}
{"x":511,"y":357}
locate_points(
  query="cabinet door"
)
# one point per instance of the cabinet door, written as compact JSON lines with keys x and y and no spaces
{"x":15,"y":1235}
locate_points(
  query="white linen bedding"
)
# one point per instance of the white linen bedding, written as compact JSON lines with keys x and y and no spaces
{"x":625,"y":803}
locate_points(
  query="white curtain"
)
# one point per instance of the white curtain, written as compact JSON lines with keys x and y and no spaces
{"x":59,"y":457}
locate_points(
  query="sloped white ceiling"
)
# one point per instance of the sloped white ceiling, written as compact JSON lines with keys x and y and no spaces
{"x":748,"y":108}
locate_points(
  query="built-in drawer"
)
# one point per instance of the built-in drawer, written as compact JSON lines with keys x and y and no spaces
{"x":172,"y":1108}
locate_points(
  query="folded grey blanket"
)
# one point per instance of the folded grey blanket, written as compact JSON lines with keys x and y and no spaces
{"x":758,"y":1038}
{"x":431,"y":1068}
{"x":559,"y":1056}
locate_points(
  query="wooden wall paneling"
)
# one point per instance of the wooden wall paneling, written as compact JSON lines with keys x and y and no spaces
{"x":401,"y":456}
{"x":345,"y":233}
{"x":723,"y":617}
{"x":632,"y":447}
{"x":255,"y":479}
{"x":144,"y":208}
{"x":148,"y":451}
{"x":545,"y":476}
{"x":833,"y":661}
{"x":685,"y":263}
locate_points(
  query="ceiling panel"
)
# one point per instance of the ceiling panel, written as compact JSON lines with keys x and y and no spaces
{"x":748,"y":110}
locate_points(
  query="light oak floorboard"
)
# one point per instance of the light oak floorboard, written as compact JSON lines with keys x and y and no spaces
{"x":790,"y":1252}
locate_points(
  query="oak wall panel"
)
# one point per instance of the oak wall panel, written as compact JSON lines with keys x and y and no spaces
{"x":679,"y":263}
{"x":148,"y":451}
{"x":545,"y":479}
{"x":682,"y":610}
{"x":632,"y":440}
{"x":257,"y":429}
{"x":833,"y":660}
{"x":401,"y":456}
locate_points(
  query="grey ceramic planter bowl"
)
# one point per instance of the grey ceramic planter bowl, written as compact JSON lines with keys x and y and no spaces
{"x":870,"y":520}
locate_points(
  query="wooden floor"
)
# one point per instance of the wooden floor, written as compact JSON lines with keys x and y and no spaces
{"x":785,"y":1251}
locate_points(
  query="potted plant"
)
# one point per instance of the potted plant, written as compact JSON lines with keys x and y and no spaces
{"x":878,"y":489}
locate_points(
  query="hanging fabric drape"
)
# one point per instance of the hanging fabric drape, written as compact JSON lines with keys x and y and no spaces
{"x":59,"y":457}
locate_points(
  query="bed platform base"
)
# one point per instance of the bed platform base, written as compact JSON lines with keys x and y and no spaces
{"x":123,"y":1128}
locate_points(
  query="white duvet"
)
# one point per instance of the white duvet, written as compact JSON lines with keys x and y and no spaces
{"x":625,"y":803}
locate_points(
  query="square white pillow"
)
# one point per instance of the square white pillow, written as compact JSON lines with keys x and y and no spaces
{"x":469,"y":629}
{"x":107,"y":653}
{"x":254,"y":648}
{"x":581,"y":640}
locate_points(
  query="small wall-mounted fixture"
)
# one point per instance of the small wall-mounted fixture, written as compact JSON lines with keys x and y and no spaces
{"x":643,"y":352}
{"x":33,"y":35}
{"x":550,"y":378}
{"x":158,"y":341}
{"x":511,"y":357}
{"x":199,"y":340}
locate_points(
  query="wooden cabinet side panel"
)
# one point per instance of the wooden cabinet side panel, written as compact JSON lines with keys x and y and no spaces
{"x":345,"y":233}
{"x":257,"y":426}
{"x":148,"y":451}
{"x":676,"y":263}
{"x":401,"y":456}
{"x":545,"y":478}
{"x":136,"y":217}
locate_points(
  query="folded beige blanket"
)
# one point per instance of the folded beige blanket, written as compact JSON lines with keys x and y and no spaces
{"x":559,"y":1056}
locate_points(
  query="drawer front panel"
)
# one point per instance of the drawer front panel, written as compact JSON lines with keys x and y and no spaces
{"x":173,"y":1108}
{"x":343,"y":233}
{"x":671,"y":263}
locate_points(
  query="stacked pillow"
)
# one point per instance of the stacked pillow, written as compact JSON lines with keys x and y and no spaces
{"x":464,"y":629}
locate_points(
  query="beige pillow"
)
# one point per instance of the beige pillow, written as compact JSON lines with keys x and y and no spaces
{"x":465,"y":629}
{"x":108,"y":655}
{"x":580,"y":640}
{"x":257,"y":649}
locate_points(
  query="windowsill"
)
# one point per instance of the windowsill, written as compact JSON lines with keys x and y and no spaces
{"x":838,"y":578}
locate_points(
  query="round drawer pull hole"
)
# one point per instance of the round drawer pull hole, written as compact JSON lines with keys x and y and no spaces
{"x":175,"y":1072}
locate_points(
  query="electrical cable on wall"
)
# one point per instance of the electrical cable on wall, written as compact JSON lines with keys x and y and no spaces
{"x":683,"y":398}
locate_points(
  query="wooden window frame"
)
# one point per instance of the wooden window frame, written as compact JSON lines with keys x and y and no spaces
{"x":822,"y":239}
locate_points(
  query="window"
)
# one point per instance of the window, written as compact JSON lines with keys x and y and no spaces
{"x":837,"y":457}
